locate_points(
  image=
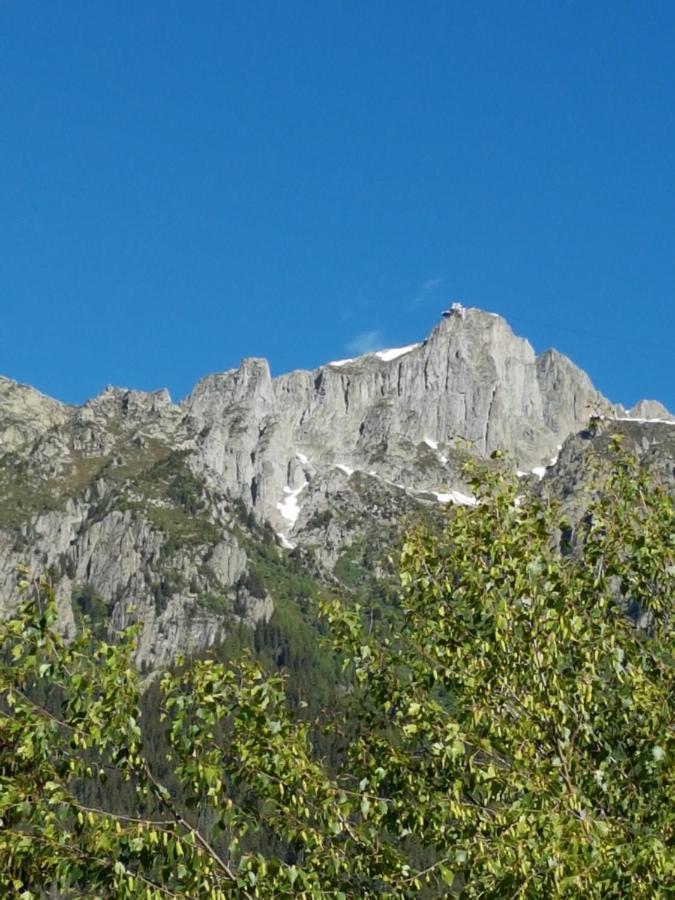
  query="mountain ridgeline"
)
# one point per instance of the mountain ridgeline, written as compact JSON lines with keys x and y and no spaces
{"x":230,"y":511}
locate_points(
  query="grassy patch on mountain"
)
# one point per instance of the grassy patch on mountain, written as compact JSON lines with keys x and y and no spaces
{"x":25,"y":492}
{"x":170,"y":496}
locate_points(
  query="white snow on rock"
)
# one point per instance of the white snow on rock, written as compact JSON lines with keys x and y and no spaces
{"x":540,"y":471}
{"x":385,"y":355}
{"x":285,"y":543}
{"x":430,"y":443}
{"x":394,"y":353}
{"x":340,"y":362}
{"x":633,"y":419}
{"x":289,"y":506}
{"x":554,"y":459}
{"x":455,"y":497}
{"x":303,"y":459}
{"x":344,"y":469}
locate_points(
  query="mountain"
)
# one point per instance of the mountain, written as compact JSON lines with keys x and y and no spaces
{"x":255,"y":492}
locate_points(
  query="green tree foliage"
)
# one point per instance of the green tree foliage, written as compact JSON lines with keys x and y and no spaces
{"x":511,"y":735}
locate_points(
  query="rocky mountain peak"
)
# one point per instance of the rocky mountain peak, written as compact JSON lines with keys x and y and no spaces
{"x":250,"y":384}
{"x":26,"y":413}
{"x":170,"y":512}
{"x":471,"y":380}
{"x":651,"y":409}
{"x":125,"y":403}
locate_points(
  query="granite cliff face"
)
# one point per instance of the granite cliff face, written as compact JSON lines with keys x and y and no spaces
{"x":25,"y":414}
{"x":187,"y":516}
{"x":471,"y":381}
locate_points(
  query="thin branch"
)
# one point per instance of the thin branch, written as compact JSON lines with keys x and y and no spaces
{"x":162,"y":796}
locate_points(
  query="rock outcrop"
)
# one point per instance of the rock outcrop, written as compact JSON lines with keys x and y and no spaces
{"x":182,"y":515}
{"x":25,"y":414}
{"x":472,"y":381}
{"x":650,"y":410}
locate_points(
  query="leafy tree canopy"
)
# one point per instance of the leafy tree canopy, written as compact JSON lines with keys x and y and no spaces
{"x":508,"y":734}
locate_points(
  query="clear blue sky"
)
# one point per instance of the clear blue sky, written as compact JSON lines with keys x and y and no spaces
{"x":183,"y":184}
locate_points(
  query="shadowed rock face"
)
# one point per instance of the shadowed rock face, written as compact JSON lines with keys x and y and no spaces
{"x":155,"y":511}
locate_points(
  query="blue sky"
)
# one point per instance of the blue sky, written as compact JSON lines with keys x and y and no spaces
{"x":184,"y":184}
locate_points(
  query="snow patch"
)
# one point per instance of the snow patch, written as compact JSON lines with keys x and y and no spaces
{"x":540,"y":471}
{"x":285,"y":543}
{"x":554,"y":459}
{"x":394,"y":353}
{"x":344,"y":469}
{"x":455,"y":497}
{"x":430,"y":443}
{"x":634,"y":419}
{"x":289,"y":506}
{"x":340,"y":362}
{"x":303,"y":459}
